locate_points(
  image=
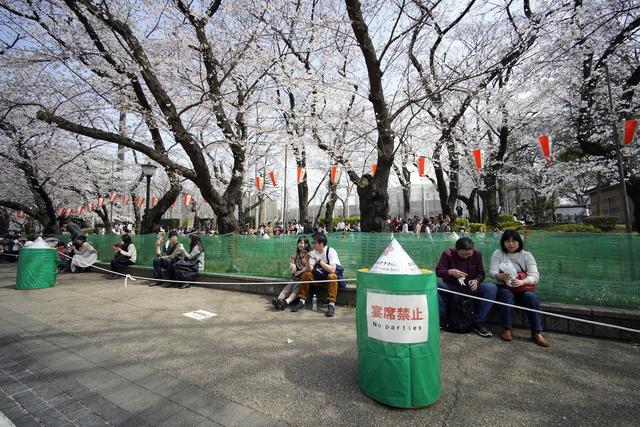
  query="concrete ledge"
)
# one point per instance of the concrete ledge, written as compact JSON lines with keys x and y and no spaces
{"x":347,"y":296}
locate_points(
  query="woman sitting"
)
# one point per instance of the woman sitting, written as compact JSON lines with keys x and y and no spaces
{"x":84,"y":255}
{"x":297,"y":265}
{"x":518,"y":286}
{"x":124,"y":254}
{"x":186,"y":269}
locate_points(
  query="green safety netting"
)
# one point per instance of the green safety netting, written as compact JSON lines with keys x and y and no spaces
{"x":575,"y":268}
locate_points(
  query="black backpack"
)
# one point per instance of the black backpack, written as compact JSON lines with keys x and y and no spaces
{"x":459,"y":314}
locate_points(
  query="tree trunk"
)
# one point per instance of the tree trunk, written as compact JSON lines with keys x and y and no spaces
{"x":406,"y":202}
{"x":374,"y":204}
{"x":331,"y":203}
{"x":303,"y":204}
{"x":136,"y":214}
{"x":633,"y":191}
{"x":151,"y":220}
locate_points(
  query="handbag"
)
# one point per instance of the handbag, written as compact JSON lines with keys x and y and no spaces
{"x":189,"y":264}
{"x":320,"y":273}
{"x":522,"y":276}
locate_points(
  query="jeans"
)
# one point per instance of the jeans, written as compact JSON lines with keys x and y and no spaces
{"x":118,"y":263}
{"x":484,"y":290}
{"x":159,"y":264}
{"x":527,"y":299}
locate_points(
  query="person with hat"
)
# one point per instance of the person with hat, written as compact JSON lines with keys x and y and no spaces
{"x":171,"y":252}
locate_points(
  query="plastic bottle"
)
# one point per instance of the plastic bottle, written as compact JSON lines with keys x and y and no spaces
{"x":314,"y":303}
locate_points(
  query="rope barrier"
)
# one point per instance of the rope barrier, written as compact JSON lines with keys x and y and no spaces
{"x":128,"y":277}
{"x":546,"y":313}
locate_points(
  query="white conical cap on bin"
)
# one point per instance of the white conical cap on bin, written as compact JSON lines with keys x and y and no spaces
{"x":394,"y":260}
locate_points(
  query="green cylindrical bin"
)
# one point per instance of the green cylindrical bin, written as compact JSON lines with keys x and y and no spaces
{"x":398,"y":343}
{"x":37,"y":268}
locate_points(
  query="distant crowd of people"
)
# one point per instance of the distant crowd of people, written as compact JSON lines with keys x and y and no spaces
{"x":293,"y":227}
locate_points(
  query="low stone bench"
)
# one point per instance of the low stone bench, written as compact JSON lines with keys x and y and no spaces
{"x":347,"y":296}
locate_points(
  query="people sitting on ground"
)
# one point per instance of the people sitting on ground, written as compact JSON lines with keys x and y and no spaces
{"x":124,"y":254}
{"x":517,"y":289}
{"x":186,"y":269}
{"x":84,"y":255}
{"x":297,"y":265}
{"x":168,"y":254}
{"x":461,"y":270}
{"x":322,"y":263}
{"x":64,"y":262}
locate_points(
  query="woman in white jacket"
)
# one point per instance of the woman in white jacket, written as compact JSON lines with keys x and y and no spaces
{"x":519,"y":289}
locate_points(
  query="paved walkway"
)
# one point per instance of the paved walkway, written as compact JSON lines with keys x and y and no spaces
{"x":91,"y":352}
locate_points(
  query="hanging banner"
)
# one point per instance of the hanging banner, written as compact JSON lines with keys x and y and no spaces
{"x":629,"y":131}
{"x":422,"y":166}
{"x":477,"y":156}
{"x":301,"y":175}
{"x":125,"y":200}
{"x":140,"y":202}
{"x":374,"y":167}
{"x":334,"y":174}
{"x":90,"y":207}
{"x":100,"y":201}
{"x":273,"y":175}
{"x":259,"y":183}
{"x":546,"y":147}
{"x":187,"y":199}
{"x":113,"y":197}
{"x":80,"y":210}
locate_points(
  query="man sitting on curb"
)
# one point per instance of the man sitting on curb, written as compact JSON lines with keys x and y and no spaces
{"x":326,"y":259}
{"x":174,"y":251}
{"x":462,"y":271}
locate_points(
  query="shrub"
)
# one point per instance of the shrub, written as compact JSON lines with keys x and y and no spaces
{"x":505,"y":218}
{"x":462,"y":222}
{"x":475,"y":227}
{"x":170,"y":223}
{"x":604,"y":222}
{"x":352,"y":220}
{"x":510,"y":225}
{"x":574,"y":228}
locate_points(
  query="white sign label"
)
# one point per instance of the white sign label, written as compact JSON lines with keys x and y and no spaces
{"x":402,"y":319}
{"x":200,"y":314}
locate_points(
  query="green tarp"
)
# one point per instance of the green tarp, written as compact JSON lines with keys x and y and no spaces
{"x":576,"y":268}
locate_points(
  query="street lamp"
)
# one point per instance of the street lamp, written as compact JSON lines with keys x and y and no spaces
{"x":148,"y":170}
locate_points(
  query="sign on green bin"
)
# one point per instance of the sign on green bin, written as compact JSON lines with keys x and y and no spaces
{"x":398,"y":332}
{"x":36,"y":268}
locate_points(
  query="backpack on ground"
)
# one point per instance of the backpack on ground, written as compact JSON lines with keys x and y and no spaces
{"x":459,"y":314}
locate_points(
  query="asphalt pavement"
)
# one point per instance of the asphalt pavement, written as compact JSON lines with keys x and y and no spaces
{"x":91,"y":352}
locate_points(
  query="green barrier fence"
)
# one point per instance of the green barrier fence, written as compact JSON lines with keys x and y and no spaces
{"x":575,"y":268}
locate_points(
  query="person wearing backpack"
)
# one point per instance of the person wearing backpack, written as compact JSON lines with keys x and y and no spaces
{"x":322,"y":263}
{"x":461,"y":270}
{"x":518,"y":289}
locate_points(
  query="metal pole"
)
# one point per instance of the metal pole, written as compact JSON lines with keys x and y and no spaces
{"x":284,"y":178}
{"x":146,"y":211}
{"x":623,"y":187}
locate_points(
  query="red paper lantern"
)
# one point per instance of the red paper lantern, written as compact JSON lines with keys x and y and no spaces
{"x":259,"y":183}
{"x":140,"y":202}
{"x":477,"y":157}
{"x":300,"y":175}
{"x":113,"y":197}
{"x":90,"y":207}
{"x":80,"y":210}
{"x":125,"y":200}
{"x":374,"y":167}
{"x":154,"y":201}
{"x":630,"y":130}
{"x":422,"y":166}
{"x":100,"y":201}
{"x":546,"y":147}
{"x":334,"y":174}
{"x":187,"y":199}
{"x":273,"y":175}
